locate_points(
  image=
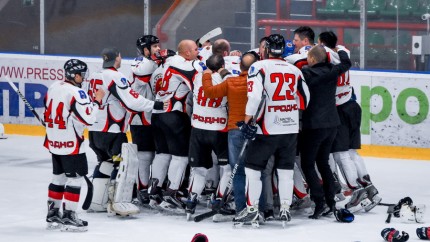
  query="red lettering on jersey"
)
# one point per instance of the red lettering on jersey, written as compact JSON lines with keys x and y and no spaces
{"x":134,"y":93}
{"x":94,"y":87}
{"x":282,"y":108}
{"x":59,"y":119}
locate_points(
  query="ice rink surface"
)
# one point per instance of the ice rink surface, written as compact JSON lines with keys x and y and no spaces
{"x":26,"y":172}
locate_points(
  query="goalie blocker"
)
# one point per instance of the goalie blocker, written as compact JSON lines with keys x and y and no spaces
{"x":115,"y":195}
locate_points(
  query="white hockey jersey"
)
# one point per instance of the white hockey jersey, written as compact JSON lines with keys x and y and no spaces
{"x":177,"y":82}
{"x":285,"y":93}
{"x":68,"y":110}
{"x":344,"y":88}
{"x":209,"y":113}
{"x":142,"y":69}
{"x":119,"y":101}
{"x":299,"y":59}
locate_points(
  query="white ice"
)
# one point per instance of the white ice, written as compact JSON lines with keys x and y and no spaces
{"x":26,"y":172}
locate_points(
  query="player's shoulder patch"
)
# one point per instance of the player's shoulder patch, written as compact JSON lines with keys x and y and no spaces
{"x":251,"y":70}
{"x":308,"y":47}
{"x":139,"y":58}
{"x":82,"y":94}
{"x":204,"y":67}
{"x":123,"y":80}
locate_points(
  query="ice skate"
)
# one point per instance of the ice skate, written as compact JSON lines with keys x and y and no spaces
{"x":373,"y":197}
{"x":284,"y":213}
{"x":171,"y":202}
{"x":143,"y":197}
{"x":225,"y":212}
{"x":154,"y":194}
{"x":53,"y":219}
{"x":320,"y":209}
{"x":190,"y":205}
{"x":248,"y":215}
{"x":72,"y":223}
{"x":357,"y":196}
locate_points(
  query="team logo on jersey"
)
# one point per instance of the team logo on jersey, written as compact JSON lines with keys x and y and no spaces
{"x":203,"y":65}
{"x":308,"y":47}
{"x":140,"y":58}
{"x":287,"y":121}
{"x":235,"y":72}
{"x":251,"y":71}
{"x":124,"y":81}
{"x":82,"y":94}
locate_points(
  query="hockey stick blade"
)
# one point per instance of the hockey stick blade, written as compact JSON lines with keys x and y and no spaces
{"x":15,"y":88}
{"x":89,"y":196}
{"x":386,"y":204}
{"x":206,"y":215}
{"x":210,"y":34}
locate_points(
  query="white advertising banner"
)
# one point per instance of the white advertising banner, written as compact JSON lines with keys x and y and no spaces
{"x":395,"y":106}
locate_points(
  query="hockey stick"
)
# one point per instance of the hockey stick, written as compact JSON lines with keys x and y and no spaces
{"x":89,"y":196}
{"x":24,"y":100}
{"x":210,"y":34}
{"x":240,"y":160}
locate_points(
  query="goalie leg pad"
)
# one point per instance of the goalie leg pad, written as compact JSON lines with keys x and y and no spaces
{"x":127,"y":174}
{"x":101,"y":177}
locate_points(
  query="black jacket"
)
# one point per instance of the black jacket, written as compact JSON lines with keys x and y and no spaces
{"x":321,"y":80}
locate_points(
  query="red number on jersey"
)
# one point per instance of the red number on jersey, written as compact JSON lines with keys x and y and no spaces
{"x":343,"y":80}
{"x":164,"y":85}
{"x":134,"y":93}
{"x":280,"y":78}
{"x":203,"y":101}
{"x":250,"y":85}
{"x":59,"y":119}
{"x":94,"y":84}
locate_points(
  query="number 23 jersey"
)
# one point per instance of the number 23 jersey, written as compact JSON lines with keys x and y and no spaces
{"x":285,"y":93}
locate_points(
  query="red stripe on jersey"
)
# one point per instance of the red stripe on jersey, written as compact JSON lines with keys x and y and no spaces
{"x":328,"y":57}
{"x":55,"y":195}
{"x":144,"y":79}
{"x":46,"y":142}
{"x":299,"y":194}
{"x":301,"y":101}
{"x":143,"y":118}
{"x":300,"y":63}
{"x":71,"y":196}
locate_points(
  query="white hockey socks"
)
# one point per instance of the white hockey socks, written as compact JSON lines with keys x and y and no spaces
{"x":286,"y":184}
{"x":145,"y":159}
{"x":197,"y":180}
{"x":176,"y":171}
{"x":359,"y":163}
{"x":253,"y":186}
{"x":225,"y":172}
{"x":72,"y":192}
{"x":160,"y":165}
{"x":56,"y":189}
{"x":347,"y":167}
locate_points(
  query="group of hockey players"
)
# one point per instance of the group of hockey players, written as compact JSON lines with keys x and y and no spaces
{"x":282,"y":118}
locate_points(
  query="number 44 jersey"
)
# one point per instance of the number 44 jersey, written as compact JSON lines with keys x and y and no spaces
{"x":285,"y":92}
{"x":68,"y":110}
{"x":209,"y":113}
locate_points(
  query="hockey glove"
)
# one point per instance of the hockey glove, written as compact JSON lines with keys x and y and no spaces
{"x":248,"y":131}
{"x":344,"y":215}
{"x":423,"y":233}
{"x":406,"y":200}
{"x":393,"y":235}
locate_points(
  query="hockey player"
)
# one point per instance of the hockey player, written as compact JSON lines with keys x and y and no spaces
{"x":68,"y":110}
{"x":234,"y":89}
{"x":347,"y":139}
{"x":140,"y":127}
{"x":208,"y":133}
{"x":281,"y":87}
{"x":108,"y":134}
{"x":172,"y":126}
{"x":303,"y":41}
{"x":319,"y":124}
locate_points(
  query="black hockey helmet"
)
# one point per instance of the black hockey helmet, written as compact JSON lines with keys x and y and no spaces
{"x":275,"y":43}
{"x":73,"y":67}
{"x":146,"y":41}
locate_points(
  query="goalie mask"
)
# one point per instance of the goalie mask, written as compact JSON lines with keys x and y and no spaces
{"x":73,"y":67}
{"x":146,"y":41}
{"x":275,"y":44}
{"x":411,"y":213}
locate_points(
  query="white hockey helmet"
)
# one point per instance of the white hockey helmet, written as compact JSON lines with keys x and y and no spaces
{"x":411,"y":213}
